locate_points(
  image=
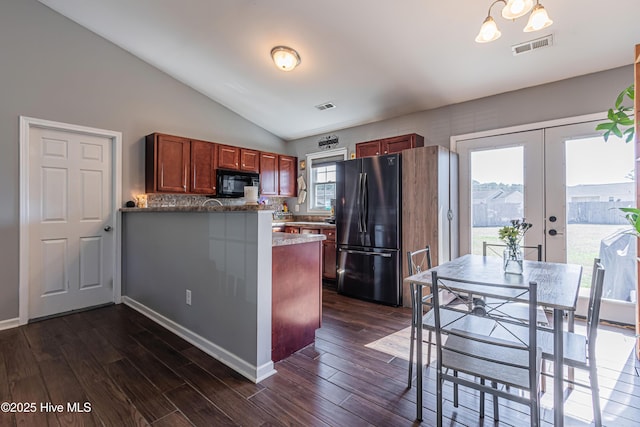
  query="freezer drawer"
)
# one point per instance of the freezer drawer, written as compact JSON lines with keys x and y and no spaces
{"x":372,"y":275}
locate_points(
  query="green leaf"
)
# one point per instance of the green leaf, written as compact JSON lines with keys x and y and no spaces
{"x":616,"y":131}
{"x":611,"y":115}
{"x":604,"y":126}
{"x":620,"y":98}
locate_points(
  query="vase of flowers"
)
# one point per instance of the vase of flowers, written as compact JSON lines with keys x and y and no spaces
{"x":512,"y":235}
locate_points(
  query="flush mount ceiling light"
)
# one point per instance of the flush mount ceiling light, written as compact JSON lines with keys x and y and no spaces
{"x":285,"y":58}
{"x":514,"y":9}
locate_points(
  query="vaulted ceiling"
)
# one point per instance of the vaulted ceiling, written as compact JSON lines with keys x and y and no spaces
{"x":373,"y":59}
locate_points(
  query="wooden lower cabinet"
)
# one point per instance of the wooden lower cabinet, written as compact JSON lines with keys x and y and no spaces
{"x":296,"y":302}
{"x":329,"y":268}
{"x":292,"y":230}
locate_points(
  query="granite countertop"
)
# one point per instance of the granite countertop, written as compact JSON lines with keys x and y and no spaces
{"x":283,"y":239}
{"x":209,"y":208}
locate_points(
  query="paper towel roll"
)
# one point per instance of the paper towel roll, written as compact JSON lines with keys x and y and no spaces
{"x":251,"y":195}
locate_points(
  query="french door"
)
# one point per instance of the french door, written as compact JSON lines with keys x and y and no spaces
{"x":569,"y":183}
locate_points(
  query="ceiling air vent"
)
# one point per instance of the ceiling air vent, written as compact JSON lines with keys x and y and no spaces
{"x":326,"y":106}
{"x":531,"y":45}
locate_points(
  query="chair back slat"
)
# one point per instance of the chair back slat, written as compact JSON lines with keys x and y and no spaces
{"x":594,"y":306}
{"x":493,"y":247}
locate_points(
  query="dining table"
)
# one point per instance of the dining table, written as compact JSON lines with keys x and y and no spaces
{"x":558,"y":285}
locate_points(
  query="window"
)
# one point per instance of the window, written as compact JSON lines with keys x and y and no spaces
{"x":322,"y":178}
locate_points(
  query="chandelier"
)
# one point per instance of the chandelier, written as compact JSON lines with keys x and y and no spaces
{"x":514,"y":9}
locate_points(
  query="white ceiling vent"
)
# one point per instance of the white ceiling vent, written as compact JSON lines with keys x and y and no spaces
{"x":531,"y":45}
{"x":326,"y":106}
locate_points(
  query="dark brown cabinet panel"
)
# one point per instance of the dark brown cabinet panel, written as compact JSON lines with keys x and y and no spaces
{"x":296,"y":301}
{"x":329,"y":269}
{"x":389,"y":145}
{"x":203,"y":167}
{"x":268,"y":174}
{"x":368,"y":149}
{"x":287,"y":166}
{"x":228,"y":157}
{"x":249,"y":160}
{"x":399,"y":143}
{"x":167,"y":163}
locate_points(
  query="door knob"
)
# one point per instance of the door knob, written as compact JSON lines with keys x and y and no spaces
{"x":107,"y":228}
{"x":554,"y":232}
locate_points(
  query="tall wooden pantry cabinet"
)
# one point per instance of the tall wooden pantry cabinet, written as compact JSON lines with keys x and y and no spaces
{"x":430,"y":205}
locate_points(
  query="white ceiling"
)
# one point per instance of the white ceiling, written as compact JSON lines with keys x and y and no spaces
{"x":374,"y":59}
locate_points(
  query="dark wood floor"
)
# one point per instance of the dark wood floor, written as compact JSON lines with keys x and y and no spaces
{"x":133,"y":372}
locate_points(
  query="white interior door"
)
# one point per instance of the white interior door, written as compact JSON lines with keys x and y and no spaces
{"x":70,"y":224}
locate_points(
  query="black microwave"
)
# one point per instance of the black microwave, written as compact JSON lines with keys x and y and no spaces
{"x":232,"y":183}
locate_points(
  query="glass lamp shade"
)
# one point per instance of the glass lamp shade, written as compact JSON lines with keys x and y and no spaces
{"x":516,"y":8}
{"x":285,"y":58}
{"x":489,"y":31}
{"x":538,"y":19}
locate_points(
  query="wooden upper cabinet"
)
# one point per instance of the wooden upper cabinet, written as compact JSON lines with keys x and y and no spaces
{"x":167,"y":163}
{"x":368,"y":149}
{"x":268,"y":174}
{"x":228,"y":157}
{"x":249,"y":160}
{"x":203,"y":167}
{"x":399,"y":143}
{"x":389,"y":145}
{"x":287,"y":166}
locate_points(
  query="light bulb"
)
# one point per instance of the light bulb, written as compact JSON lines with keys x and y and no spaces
{"x":285,"y":58}
{"x":538,"y":19}
{"x":516,"y":8}
{"x":488,"y":32}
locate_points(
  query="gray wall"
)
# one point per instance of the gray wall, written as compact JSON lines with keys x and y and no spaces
{"x":593,"y":93}
{"x":53,"y":69}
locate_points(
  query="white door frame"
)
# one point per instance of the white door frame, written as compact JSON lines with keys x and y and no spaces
{"x":26,"y":123}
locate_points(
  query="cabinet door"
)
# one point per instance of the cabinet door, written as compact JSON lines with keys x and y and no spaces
{"x":368,"y":149}
{"x":249,"y":160}
{"x":396,"y":145}
{"x":268,"y":174}
{"x":329,"y":260}
{"x":292,"y":230}
{"x":203,"y":167}
{"x":172,"y":163}
{"x":399,"y":143}
{"x":287,"y":167}
{"x":228,"y":157}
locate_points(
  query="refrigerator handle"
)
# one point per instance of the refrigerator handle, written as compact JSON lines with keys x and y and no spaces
{"x":359,"y":202}
{"x":365,"y":202}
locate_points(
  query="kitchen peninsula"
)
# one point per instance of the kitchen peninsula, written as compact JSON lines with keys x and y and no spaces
{"x":214,"y":275}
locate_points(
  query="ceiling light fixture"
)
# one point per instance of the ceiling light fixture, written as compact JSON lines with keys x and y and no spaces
{"x":514,"y":9}
{"x":285,"y":58}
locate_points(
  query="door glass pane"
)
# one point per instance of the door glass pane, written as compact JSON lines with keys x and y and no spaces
{"x":599,"y":181}
{"x":497,"y":193}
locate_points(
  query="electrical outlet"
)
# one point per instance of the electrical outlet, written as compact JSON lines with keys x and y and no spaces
{"x":188,"y":297}
{"x":296,"y":208}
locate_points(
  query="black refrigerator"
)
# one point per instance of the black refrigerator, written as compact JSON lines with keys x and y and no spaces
{"x":368,"y":197}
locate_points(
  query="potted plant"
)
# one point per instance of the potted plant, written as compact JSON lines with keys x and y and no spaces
{"x":512,"y":235}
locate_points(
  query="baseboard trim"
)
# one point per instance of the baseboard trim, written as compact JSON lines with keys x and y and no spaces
{"x":9,"y":323}
{"x":247,"y":370}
